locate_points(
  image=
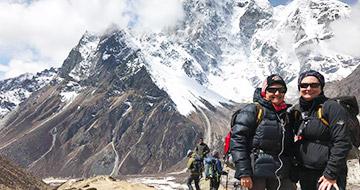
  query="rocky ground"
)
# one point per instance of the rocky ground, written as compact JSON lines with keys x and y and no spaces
{"x":175,"y":180}
{"x":146,"y":183}
{"x":14,"y":178}
{"x":353,"y":175}
{"x":102,"y":183}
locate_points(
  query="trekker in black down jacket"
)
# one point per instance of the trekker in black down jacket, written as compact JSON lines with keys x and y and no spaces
{"x":262,"y":148}
{"x":322,"y":149}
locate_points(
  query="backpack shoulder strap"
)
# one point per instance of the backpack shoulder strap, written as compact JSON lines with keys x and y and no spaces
{"x":296,"y":112}
{"x":319,"y":114}
{"x":233,"y":117}
{"x":260,"y":113}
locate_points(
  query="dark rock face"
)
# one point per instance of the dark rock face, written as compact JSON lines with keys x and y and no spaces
{"x":12,"y":177}
{"x":73,"y":58}
{"x":253,"y":18}
{"x":119,"y":122}
{"x":347,"y":86}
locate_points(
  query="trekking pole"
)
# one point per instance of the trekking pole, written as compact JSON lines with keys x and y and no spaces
{"x":237,"y":186}
{"x":226,"y":182}
{"x":358,"y":155}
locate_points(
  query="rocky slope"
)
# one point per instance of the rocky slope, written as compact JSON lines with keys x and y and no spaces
{"x":12,"y":177}
{"x":348,"y":86}
{"x":114,"y":121}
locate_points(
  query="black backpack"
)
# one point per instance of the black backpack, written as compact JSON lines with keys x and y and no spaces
{"x":214,"y":170}
{"x":227,"y":145}
{"x":349,"y":103}
{"x":197,"y":165}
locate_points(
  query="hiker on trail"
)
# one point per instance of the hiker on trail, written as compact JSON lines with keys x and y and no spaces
{"x":215,"y":170}
{"x":194,"y":165}
{"x":262,"y":139}
{"x":201,"y":148}
{"x":322,"y":148}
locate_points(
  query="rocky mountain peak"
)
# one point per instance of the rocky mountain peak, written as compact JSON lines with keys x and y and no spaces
{"x":257,"y":15}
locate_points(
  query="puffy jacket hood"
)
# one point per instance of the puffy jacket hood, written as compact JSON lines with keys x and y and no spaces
{"x":258,"y":98}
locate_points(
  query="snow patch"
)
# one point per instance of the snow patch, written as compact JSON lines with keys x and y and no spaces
{"x":183,"y":90}
{"x":165,"y":183}
{"x":70,"y":92}
{"x":105,"y":56}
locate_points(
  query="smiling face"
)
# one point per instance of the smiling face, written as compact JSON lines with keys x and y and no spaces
{"x":275,"y":93}
{"x":310,"y":88}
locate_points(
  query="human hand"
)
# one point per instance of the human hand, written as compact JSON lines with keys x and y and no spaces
{"x":246,"y":182}
{"x":326,"y":184}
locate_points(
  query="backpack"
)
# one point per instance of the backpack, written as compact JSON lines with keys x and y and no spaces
{"x":349,"y":103}
{"x":227,"y":143}
{"x":214,"y":170}
{"x":197,"y":165}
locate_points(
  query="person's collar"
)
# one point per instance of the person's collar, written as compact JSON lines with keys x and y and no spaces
{"x":280,"y":107}
{"x":312,"y":104}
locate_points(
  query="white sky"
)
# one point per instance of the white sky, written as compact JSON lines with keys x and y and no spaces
{"x":39,"y":34}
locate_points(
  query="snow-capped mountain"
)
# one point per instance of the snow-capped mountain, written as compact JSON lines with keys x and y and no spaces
{"x":109,"y":118}
{"x":230,"y":47}
{"x":15,"y":90}
{"x":224,"y":49}
{"x":126,"y":102}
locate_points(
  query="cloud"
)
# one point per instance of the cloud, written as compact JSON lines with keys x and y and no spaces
{"x":347,"y":34}
{"x":24,"y":63}
{"x":52,"y":28}
{"x":156,"y":15}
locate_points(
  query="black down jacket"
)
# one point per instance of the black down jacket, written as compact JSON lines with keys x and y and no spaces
{"x":269,"y":136}
{"x":324,"y":147}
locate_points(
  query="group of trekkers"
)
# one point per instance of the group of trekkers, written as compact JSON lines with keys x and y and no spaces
{"x":200,"y":161}
{"x":274,"y":145}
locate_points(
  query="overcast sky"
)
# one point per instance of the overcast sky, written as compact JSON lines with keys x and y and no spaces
{"x":39,"y":34}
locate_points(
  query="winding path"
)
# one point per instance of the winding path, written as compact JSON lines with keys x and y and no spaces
{"x":208,"y":131}
{"x":53,"y":132}
{"x":116,"y":167}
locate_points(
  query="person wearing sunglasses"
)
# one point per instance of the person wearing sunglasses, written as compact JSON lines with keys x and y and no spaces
{"x":262,"y":139}
{"x":322,"y":149}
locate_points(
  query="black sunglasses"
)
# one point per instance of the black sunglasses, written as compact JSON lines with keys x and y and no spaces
{"x":273,"y":90}
{"x":312,"y":85}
